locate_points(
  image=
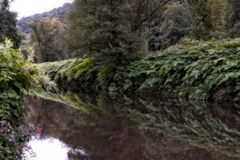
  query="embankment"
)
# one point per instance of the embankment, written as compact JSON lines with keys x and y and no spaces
{"x":202,"y":71}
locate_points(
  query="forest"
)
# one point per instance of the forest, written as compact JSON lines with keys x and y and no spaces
{"x":187,"y":49}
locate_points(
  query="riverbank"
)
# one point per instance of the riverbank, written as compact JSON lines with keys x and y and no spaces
{"x":16,"y":77}
{"x":210,"y":127}
{"x":191,"y":71}
{"x":202,"y":71}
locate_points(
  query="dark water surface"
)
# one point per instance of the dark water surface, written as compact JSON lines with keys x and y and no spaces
{"x":160,"y":128}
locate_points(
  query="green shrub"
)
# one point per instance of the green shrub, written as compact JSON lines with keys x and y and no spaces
{"x":197,"y":70}
{"x":194,"y":69}
{"x":16,"y":78}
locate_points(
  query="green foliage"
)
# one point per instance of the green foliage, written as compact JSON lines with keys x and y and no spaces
{"x":46,"y":39}
{"x":77,"y":68}
{"x":196,"y":71}
{"x":69,"y":69}
{"x":16,"y":78}
{"x":111,"y":30}
{"x":83,"y":72}
{"x":218,"y":9}
{"x":103,"y":71}
{"x":177,"y":22}
{"x":233,"y":18}
{"x":202,"y":22}
{"x":8,"y":24}
{"x":16,"y":73}
{"x":234,"y":32}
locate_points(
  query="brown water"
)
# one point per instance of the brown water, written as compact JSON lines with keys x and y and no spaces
{"x":160,"y":128}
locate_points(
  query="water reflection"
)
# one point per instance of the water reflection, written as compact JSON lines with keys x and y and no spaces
{"x":49,"y":149}
{"x":166,"y":129}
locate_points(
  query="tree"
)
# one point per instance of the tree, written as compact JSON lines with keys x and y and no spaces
{"x":233,"y":22}
{"x":217,"y":17}
{"x":209,"y":18}
{"x":202,"y":26}
{"x":45,"y":38}
{"x":4,"y":4}
{"x":111,"y":29}
{"x":176,"y":23}
{"x":8,"y":24}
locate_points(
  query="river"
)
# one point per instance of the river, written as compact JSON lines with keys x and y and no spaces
{"x":131,"y":128}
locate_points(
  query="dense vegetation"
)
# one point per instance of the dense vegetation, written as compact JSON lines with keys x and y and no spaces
{"x":45,"y":39}
{"x":184,"y":47}
{"x":118,"y":30}
{"x":8,"y":22}
{"x":193,"y":69}
{"x":112,"y":29}
{"x":16,"y":77}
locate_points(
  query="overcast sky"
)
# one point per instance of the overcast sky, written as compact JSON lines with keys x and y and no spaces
{"x":29,"y":7}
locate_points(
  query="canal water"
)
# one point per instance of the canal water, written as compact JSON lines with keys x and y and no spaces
{"x":137,"y":128}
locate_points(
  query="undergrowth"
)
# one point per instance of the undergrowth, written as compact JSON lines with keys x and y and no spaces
{"x":16,"y":78}
{"x":195,"y":70}
{"x":79,"y":73}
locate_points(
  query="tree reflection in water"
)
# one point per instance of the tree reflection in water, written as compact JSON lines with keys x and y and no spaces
{"x":139,"y":129}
